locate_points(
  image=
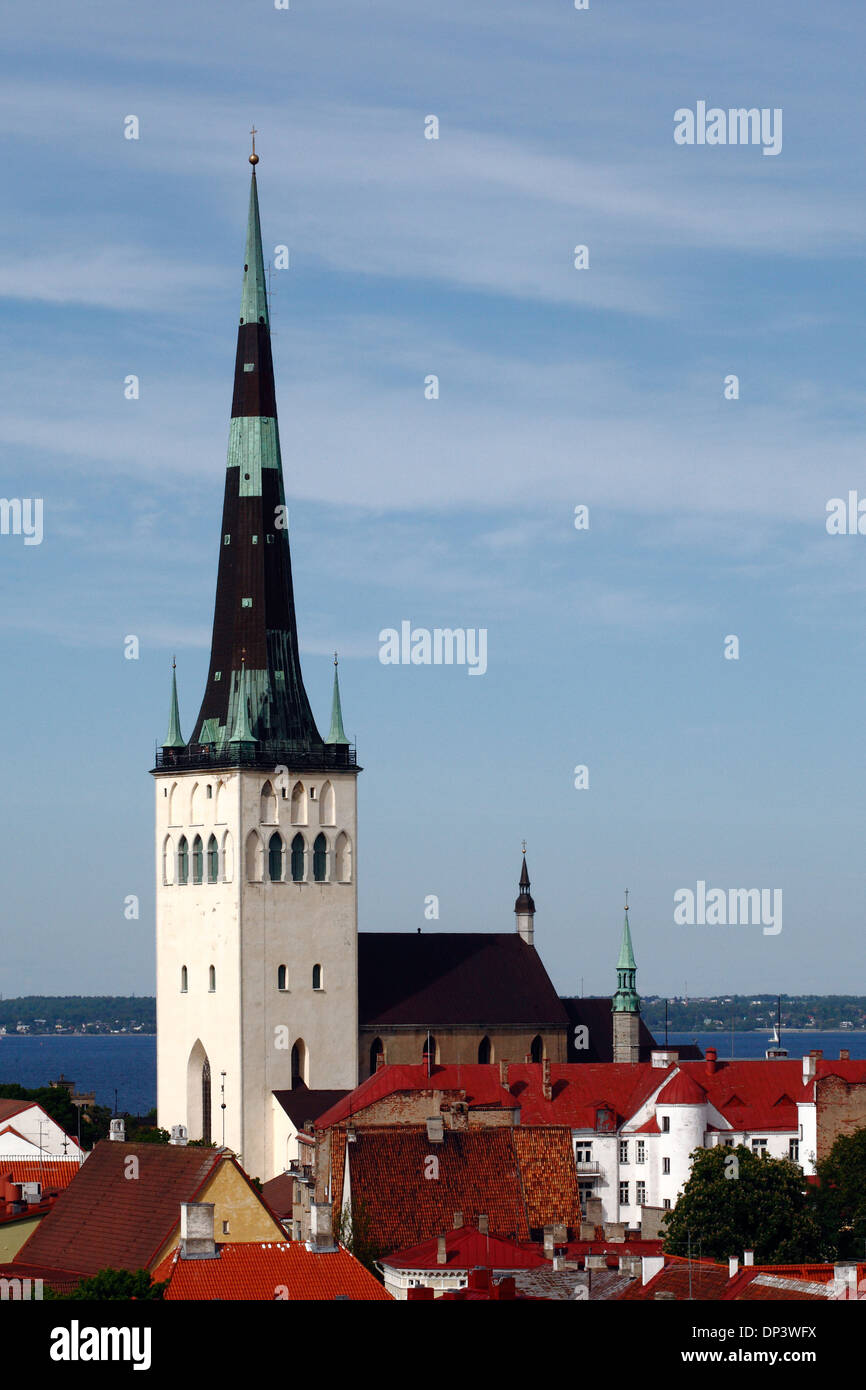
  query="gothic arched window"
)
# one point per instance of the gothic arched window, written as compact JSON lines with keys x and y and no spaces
{"x":182,"y":860}
{"x":376,"y":1051}
{"x":282,"y":977}
{"x":343,"y":858}
{"x":428,"y":1056}
{"x":320,"y":858}
{"x":485,"y":1051}
{"x":213,"y":860}
{"x":298,"y":848}
{"x":317,"y":977}
{"x":299,"y":1064}
{"x":184,"y":979}
{"x":211,"y":979}
{"x":197,"y":859}
{"x":275,"y":858}
{"x":536,"y":1051}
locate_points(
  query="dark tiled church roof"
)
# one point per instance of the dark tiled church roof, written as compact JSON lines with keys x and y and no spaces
{"x":454,"y":979}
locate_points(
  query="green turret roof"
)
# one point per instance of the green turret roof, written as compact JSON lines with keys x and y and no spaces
{"x":242,"y":733}
{"x":626,"y":998}
{"x":337,"y":733}
{"x":174,"y":738}
{"x":254,"y":298}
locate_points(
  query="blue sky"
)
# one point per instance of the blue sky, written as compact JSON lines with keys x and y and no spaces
{"x":557,"y":387}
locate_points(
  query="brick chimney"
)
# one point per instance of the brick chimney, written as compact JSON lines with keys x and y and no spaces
{"x":503,"y":1074}
{"x":321,"y":1229}
{"x":441,"y":1251}
{"x":117,"y":1130}
{"x":483,"y":1225}
{"x":179,"y":1135}
{"x":809,"y":1067}
{"x":458,"y":1220}
{"x":844,"y":1054}
{"x":712,"y":1059}
{"x":546,"y":1088}
{"x":196,"y":1231}
{"x":748,"y":1257}
{"x":733,"y":1266}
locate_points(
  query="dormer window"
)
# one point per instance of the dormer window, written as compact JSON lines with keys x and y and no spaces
{"x":605,"y":1120}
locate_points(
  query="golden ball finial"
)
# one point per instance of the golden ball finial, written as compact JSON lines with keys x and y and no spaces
{"x":254,"y":159}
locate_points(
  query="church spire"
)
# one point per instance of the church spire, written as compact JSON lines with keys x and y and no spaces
{"x":254,"y":610}
{"x":174,"y":738}
{"x":626,"y":998}
{"x":336,"y":733}
{"x":524,"y":906}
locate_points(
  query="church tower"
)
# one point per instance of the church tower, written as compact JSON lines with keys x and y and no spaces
{"x":256,"y":820}
{"x":626,"y":1004}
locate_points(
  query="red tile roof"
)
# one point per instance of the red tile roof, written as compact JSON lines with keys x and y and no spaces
{"x":8,"y":1108}
{"x":515,"y":1183}
{"x":104,"y":1219}
{"x":468,"y":1248}
{"x":752,"y":1095}
{"x":682,"y":1089}
{"x":53,"y":1173}
{"x":261,"y":1271}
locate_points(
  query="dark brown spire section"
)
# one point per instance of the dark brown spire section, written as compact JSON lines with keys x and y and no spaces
{"x":524,"y":901}
{"x":255,"y":707}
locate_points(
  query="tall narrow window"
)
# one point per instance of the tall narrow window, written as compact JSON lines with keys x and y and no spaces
{"x":167,"y":860}
{"x":299,"y":804}
{"x":197,"y":859}
{"x":298,"y":859}
{"x":211,"y":980}
{"x":184,"y":979}
{"x":182,"y":860}
{"x":205,"y":1100}
{"x":327,"y":805}
{"x":343,"y":858}
{"x":275,"y":858}
{"x":254,"y":857}
{"x":299,"y":1064}
{"x":485,"y":1051}
{"x":320,"y":858}
{"x":282,"y":977}
{"x":317,"y":977}
{"x":428,"y":1056}
{"x":268,"y":805}
{"x":213,"y":860}
{"x":377,"y":1055}
{"x":536,"y":1051}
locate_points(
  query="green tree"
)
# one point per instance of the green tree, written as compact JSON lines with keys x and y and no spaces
{"x":355,"y":1231}
{"x":113,"y":1285}
{"x":735,"y":1200}
{"x":840,"y":1198}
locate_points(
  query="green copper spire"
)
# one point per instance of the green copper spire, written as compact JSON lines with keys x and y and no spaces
{"x":254,"y":298}
{"x":174,"y":738}
{"x":337,"y":733}
{"x":242,"y":733}
{"x":626,"y":998}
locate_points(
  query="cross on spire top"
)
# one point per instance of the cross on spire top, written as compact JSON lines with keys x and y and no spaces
{"x":254,"y":159}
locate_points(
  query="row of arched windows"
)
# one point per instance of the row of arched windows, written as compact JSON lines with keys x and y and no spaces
{"x":214,"y":863}
{"x":282,"y":978}
{"x":304,"y":865}
{"x":210,"y":864}
{"x":211,"y":979}
{"x":430,"y":1052}
{"x":306,"y":805}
